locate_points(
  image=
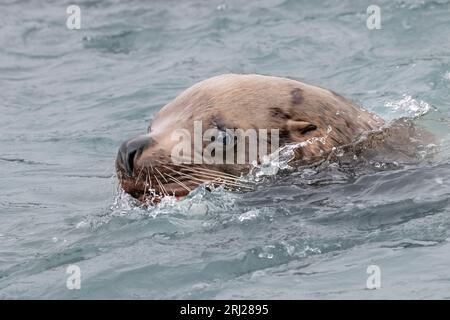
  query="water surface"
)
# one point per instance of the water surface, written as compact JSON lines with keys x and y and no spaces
{"x":70,"y":97}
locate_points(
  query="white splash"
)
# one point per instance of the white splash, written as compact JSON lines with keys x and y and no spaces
{"x":249,"y":215}
{"x":279,"y":160}
{"x":411,"y":106}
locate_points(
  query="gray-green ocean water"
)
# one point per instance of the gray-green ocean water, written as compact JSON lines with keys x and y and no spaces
{"x":68,"y":98}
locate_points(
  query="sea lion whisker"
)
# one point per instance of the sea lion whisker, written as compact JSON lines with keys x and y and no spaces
{"x":163,"y":190}
{"x":227,"y":183}
{"x":145,"y":188}
{"x":211,"y":173}
{"x":161,"y":184}
{"x":216,"y":176}
{"x":211,"y":170}
{"x":150,"y":180}
{"x":162,"y":176}
{"x":176,"y":180}
{"x":139,"y":176}
{"x":151,"y":166}
{"x":181,"y":173}
{"x":181,"y":184}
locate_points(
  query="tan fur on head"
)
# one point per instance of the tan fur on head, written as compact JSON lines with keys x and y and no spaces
{"x":300,"y":111}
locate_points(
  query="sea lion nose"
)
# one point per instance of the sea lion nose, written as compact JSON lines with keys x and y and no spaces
{"x":129,"y":150}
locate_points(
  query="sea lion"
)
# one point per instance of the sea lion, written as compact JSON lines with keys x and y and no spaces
{"x":314,"y":119}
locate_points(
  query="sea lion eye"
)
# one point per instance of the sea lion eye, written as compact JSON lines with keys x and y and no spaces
{"x":309,"y":128}
{"x":300,"y":126}
{"x":224,"y":138}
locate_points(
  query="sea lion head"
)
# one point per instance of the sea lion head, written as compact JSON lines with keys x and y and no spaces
{"x":216,"y":130}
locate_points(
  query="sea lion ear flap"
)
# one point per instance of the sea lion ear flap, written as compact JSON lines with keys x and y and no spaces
{"x":298,"y":128}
